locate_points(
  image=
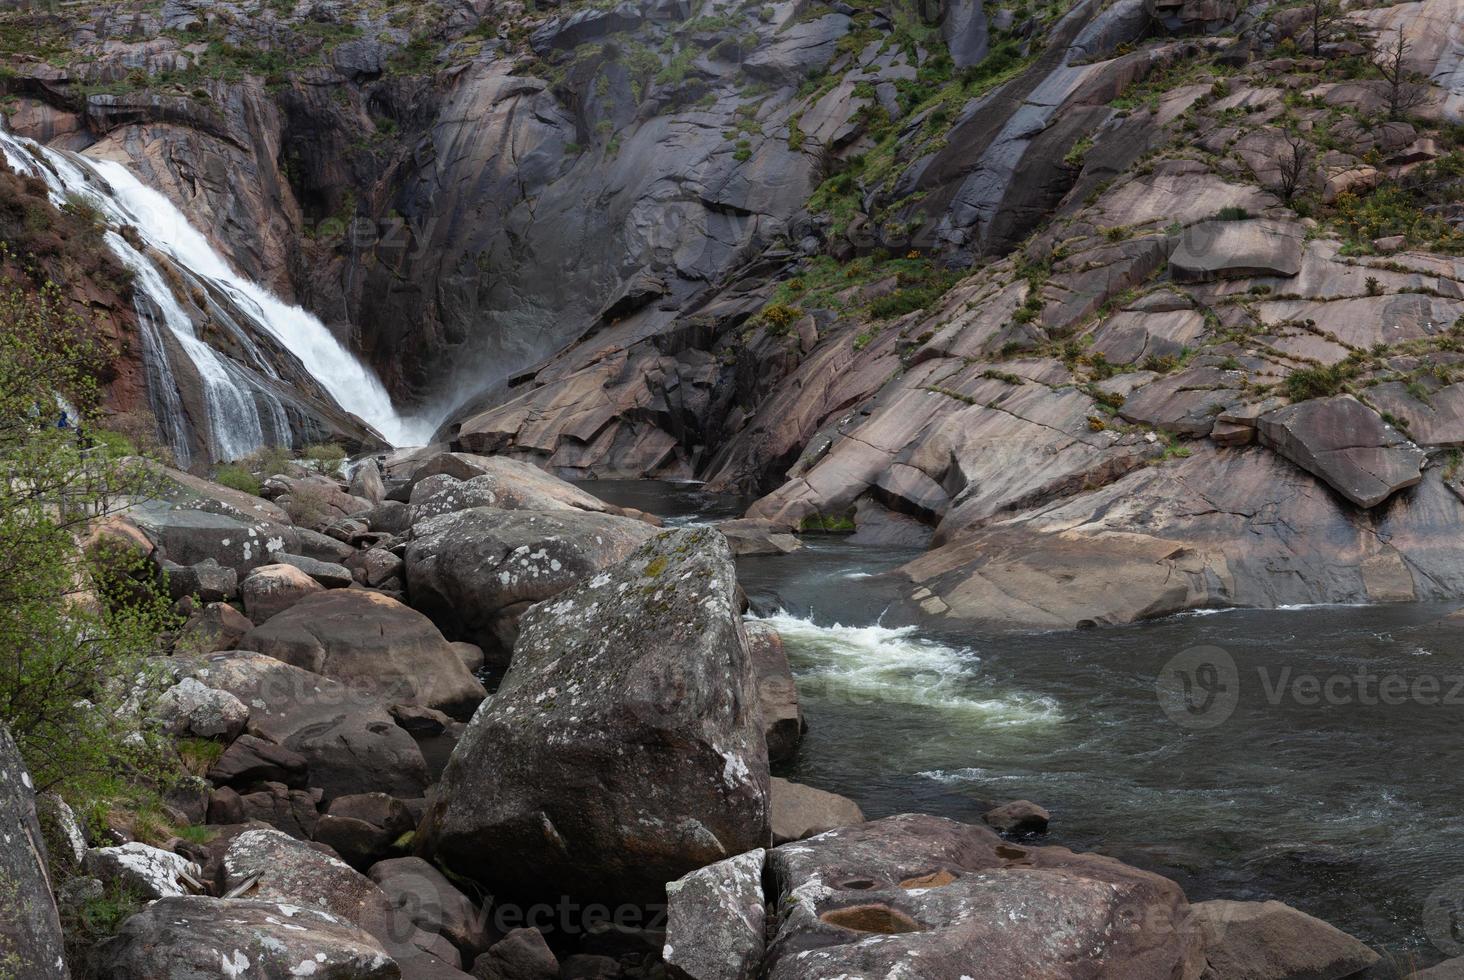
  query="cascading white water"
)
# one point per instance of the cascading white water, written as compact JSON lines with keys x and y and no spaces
{"x":234,"y":402}
{"x":339,"y":372}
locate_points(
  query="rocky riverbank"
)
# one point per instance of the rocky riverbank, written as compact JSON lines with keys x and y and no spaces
{"x":370,"y":810}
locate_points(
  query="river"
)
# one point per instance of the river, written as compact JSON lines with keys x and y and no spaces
{"x":1321,"y":777}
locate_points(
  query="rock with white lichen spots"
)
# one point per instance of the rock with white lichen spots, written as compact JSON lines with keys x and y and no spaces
{"x":475,"y":571}
{"x":150,"y":872}
{"x":287,"y":870}
{"x":625,"y":745}
{"x":715,"y":918}
{"x":188,"y":537}
{"x":867,"y":901}
{"x":30,"y":929}
{"x":192,"y":937}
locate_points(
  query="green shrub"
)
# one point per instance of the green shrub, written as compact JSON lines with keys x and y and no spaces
{"x":778,"y":317}
{"x":77,"y":622}
{"x":1232,"y":213}
{"x":236,"y":477}
{"x":1319,"y":382}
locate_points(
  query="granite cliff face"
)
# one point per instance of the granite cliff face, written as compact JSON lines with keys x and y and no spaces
{"x":1171,"y":289}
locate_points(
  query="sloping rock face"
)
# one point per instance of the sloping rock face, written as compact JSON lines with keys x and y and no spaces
{"x":475,"y":571}
{"x":371,"y":642}
{"x":639,"y":681}
{"x":30,"y":929}
{"x":1221,"y":528}
{"x":966,"y":904}
{"x":1347,"y":445}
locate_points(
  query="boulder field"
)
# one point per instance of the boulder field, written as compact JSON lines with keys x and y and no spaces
{"x":607,"y":811}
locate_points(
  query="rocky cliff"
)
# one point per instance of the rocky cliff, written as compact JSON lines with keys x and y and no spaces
{"x":1169,"y":291}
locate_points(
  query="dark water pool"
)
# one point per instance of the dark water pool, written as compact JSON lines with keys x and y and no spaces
{"x":1314,"y":757}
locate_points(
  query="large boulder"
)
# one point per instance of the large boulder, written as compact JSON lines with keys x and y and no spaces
{"x":715,"y":920}
{"x":348,"y":741}
{"x":191,"y":937}
{"x":802,"y":811}
{"x":147,"y":871}
{"x":434,"y":904}
{"x":495,"y":481}
{"x":475,"y":571}
{"x":962,"y":902}
{"x":624,"y":747}
{"x":1237,"y":250}
{"x":271,"y":589}
{"x":30,"y":929}
{"x":283,"y":869}
{"x":1346,"y":444}
{"x":190,"y":708}
{"x":1273,"y":941}
{"x":374,"y":644}
{"x":188,"y":537}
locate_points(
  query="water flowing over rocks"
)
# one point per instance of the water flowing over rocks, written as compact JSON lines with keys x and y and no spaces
{"x":1035,"y":292}
{"x":633,"y":690}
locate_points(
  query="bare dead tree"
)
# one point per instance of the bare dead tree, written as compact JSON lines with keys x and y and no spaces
{"x":1404,"y":91}
{"x":1293,"y":157}
{"x":1326,"y":22}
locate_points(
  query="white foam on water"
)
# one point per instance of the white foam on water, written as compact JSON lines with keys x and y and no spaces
{"x":879,"y":664}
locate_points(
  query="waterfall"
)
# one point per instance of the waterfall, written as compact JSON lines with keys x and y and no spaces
{"x":244,"y":414}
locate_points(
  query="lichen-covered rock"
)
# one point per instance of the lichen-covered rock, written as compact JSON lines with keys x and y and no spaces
{"x":475,"y":571}
{"x":1343,"y":442}
{"x":148,"y":871}
{"x":188,"y":537}
{"x":624,"y":747}
{"x":192,"y":937}
{"x":288,"y":870}
{"x":1273,"y":941}
{"x":715,"y":918}
{"x":375,"y":645}
{"x":30,"y":929}
{"x":864,"y":901}
{"x":463,"y":480}
{"x":192,"y":708}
